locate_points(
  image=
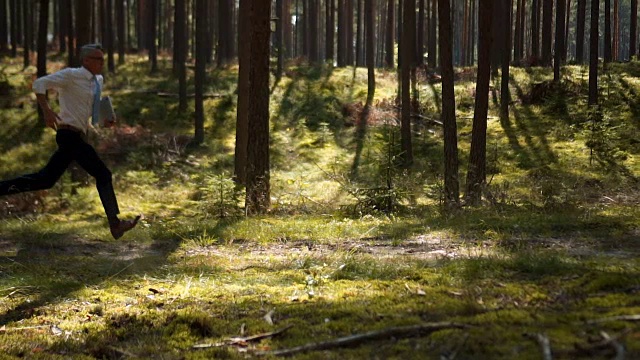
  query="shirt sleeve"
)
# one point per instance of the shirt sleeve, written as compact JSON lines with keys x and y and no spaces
{"x":54,"y":81}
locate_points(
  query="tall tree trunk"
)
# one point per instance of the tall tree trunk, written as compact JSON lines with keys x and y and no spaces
{"x":349,"y":32}
{"x":431,"y":57}
{"x":4,"y":26}
{"x":607,"y":31}
{"x":71,"y":37}
{"x":535,"y":29}
{"x":13,"y":10}
{"x":448,"y":117}
{"x":27,"y":31}
{"x":369,"y":20}
{"x":62,"y":23}
{"x":580,"y":22}
{"x":559,"y":45}
{"x":180,"y":52}
{"x":407,"y":47}
{"x":83,"y":27}
{"x":547,"y":33}
{"x":633,"y":30}
{"x":122,"y":41}
{"x":476,"y":174}
{"x":42,"y":45}
{"x":152,"y":35}
{"x":224,"y":33}
{"x":108,"y":39}
{"x":314,"y":24}
{"x":278,"y":40}
{"x":200,"y":74}
{"x":330,"y":31}
{"x":258,"y":189}
{"x":390,"y":35}
{"x":288,"y":30}
{"x":593,"y":53}
{"x":420,"y":34}
{"x":517,"y":45}
{"x":505,"y":97}
{"x":242,"y":116}
{"x":616,"y":30}
{"x":567,"y":25}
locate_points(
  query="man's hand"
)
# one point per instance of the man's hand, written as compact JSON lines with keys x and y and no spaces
{"x":109,"y":123}
{"x":51,"y":119}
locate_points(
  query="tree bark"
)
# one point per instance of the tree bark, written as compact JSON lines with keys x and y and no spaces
{"x":580,"y":22}
{"x":407,"y":46}
{"x":180,"y":52}
{"x":476,"y":174}
{"x":547,"y":33}
{"x":448,"y":117}
{"x":242,"y":115}
{"x":258,"y":196}
{"x":593,"y":53}
{"x":559,"y":44}
{"x":370,"y":46}
{"x":200,"y":74}
{"x":633,"y":31}
{"x":607,"y":31}
{"x":390,"y":35}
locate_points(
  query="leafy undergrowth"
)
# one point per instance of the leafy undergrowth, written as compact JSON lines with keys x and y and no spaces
{"x":552,"y":253}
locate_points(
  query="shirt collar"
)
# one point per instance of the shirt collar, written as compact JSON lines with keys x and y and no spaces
{"x":86,"y":73}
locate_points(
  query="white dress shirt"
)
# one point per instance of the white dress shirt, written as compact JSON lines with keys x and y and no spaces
{"x":75,"y":87}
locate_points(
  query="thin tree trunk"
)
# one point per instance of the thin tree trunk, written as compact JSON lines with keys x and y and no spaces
{"x":476,"y":174}
{"x":370,"y":46}
{"x":242,"y":117}
{"x":580,"y":22}
{"x":407,"y":44}
{"x":448,"y":117}
{"x":506,"y":56}
{"x":633,"y":31}
{"x":390,"y":35}
{"x":593,"y":53}
{"x":559,"y":45}
{"x":607,"y":31}
{"x":200,"y":73}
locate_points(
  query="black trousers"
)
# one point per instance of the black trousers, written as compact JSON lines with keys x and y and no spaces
{"x":71,"y":146}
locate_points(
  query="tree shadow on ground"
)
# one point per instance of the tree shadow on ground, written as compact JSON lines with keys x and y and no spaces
{"x":55,"y":265}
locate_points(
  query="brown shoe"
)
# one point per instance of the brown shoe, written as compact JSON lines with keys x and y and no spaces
{"x":123,"y":226}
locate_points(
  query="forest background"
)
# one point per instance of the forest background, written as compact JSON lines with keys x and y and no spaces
{"x":441,"y":178}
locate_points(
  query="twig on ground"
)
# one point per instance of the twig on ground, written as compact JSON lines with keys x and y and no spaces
{"x":606,"y":342}
{"x":242,"y":341}
{"x":396,"y":332}
{"x":544,"y":343}
{"x":619,"y":349}
{"x":6,"y":329}
{"x":615,"y":318}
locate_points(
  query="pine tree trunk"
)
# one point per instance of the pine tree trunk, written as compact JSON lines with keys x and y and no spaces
{"x":547,"y":33}
{"x":180,"y":52}
{"x":407,"y":46}
{"x":370,"y":46}
{"x":242,"y":120}
{"x":506,"y":56}
{"x":593,"y":53}
{"x":258,"y":189}
{"x":559,"y":44}
{"x":607,"y":31}
{"x":200,"y":74}
{"x":535,"y":29}
{"x":390,"y":35}
{"x":476,"y":174}
{"x":448,"y":117}
{"x":580,"y":22}
{"x":633,"y":31}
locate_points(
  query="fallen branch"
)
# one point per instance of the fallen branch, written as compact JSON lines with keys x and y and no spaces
{"x":6,"y":329}
{"x":396,"y":332}
{"x":615,"y":318}
{"x":544,"y":343}
{"x":242,"y":341}
{"x":606,"y":342}
{"x":191,"y":95}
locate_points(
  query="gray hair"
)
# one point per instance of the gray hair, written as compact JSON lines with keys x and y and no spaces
{"x":88,"y":49}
